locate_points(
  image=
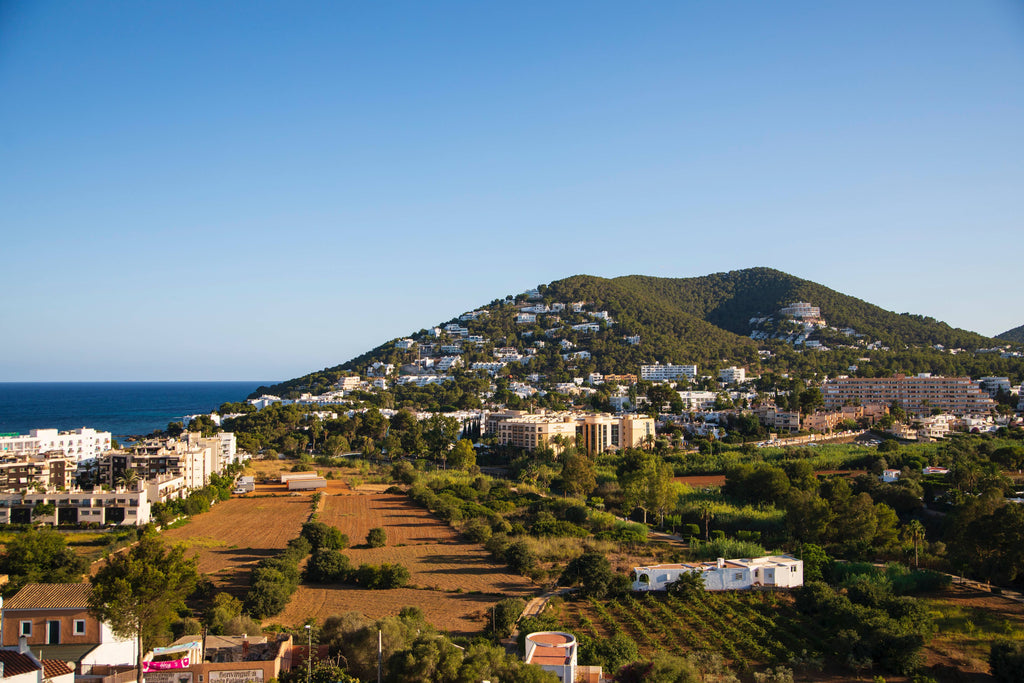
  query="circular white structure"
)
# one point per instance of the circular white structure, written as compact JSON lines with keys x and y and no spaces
{"x":553,"y":651}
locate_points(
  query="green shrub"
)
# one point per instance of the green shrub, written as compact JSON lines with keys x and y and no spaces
{"x":328,"y":565}
{"x":520,"y":557}
{"x":382,"y":577}
{"x":1007,"y":660}
{"x":322,"y":535}
{"x":505,"y":615}
{"x":377,"y":538}
{"x":477,"y":530}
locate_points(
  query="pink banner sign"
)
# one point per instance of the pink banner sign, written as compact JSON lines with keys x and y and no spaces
{"x":164,"y":666}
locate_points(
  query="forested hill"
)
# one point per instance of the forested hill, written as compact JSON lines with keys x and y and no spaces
{"x":730,"y":300}
{"x":1015,"y":335}
{"x":703,"y":320}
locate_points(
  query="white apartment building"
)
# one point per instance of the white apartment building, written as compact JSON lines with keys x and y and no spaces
{"x":405,"y":344}
{"x":423,"y":380}
{"x":348,"y":383}
{"x":446,"y":363}
{"x":587,"y":327}
{"x":733,"y":375}
{"x":994,"y":385}
{"x":525,"y":318}
{"x":129,"y":507}
{"x":698,"y":400}
{"x":79,"y":444}
{"x":492,"y":368}
{"x":379,"y":369}
{"x":801,"y":309}
{"x":667,"y":373}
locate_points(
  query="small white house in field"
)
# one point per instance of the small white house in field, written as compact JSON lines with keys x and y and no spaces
{"x":307,"y":484}
{"x":289,"y":476}
{"x":773,"y":571}
{"x":889,"y":476}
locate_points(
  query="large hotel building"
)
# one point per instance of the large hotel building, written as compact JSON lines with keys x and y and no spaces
{"x":918,"y":395}
{"x":600,"y":432}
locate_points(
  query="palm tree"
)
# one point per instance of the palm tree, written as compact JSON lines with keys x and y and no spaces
{"x":914,"y":530}
{"x":127,"y":478}
{"x":707,"y":513}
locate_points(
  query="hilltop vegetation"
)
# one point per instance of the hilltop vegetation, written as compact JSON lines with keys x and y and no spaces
{"x":1016,"y":335}
{"x":729,"y":300}
{"x":703,"y":320}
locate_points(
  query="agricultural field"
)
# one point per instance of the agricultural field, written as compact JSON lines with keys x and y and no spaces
{"x":454,"y":582}
{"x":236,"y":534}
{"x":429,"y":548}
{"x":967,"y":620}
{"x":356,"y":512}
{"x":458,"y":613}
{"x":747,"y":628}
{"x":759,"y":629}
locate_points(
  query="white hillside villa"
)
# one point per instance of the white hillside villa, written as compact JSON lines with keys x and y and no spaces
{"x":775,"y":571}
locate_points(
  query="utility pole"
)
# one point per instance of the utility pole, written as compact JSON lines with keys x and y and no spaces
{"x":380,"y":655}
{"x":309,"y":651}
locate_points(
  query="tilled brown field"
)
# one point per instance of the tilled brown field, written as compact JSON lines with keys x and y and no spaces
{"x":429,"y":548}
{"x":458,"y":613}
{"x":447,"y":567}
{"x":406,"y":523}
{"x":236,"y":534}
{"x":454,"y":582}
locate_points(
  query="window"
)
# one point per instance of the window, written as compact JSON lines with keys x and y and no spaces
{"x":79,"y":627}
{"x":793,"y":569}
{"x":737,"y":576}
{"x":26,"y":629}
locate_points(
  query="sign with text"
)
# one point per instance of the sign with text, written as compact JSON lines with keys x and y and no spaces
{"x":169,"y":677}
{"x":237,"y":676}
{"x":182,"y":663}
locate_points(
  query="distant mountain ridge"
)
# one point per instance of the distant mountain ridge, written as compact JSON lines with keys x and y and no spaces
{"x":1015,"y":335}
{"x":704,"y":320}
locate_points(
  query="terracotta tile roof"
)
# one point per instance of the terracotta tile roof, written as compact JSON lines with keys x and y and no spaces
{"x":50,"y":596}
{"x":55,"y":667}
{"x":16,"y":663}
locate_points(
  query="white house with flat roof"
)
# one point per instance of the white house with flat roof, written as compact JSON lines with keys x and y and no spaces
{"x":771,"y":571}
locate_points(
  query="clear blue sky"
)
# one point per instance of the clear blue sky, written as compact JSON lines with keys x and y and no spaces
{"x":256,"y":190}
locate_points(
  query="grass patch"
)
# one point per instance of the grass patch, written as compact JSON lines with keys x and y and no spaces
{"x":204,"y":542}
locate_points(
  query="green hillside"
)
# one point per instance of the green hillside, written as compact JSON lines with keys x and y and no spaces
{"x":703,"y":320}
{"x":1016,"y":335}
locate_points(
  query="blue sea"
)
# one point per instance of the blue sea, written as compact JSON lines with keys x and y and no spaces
{"x":121,"y":408}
